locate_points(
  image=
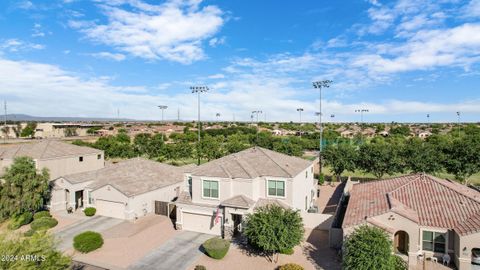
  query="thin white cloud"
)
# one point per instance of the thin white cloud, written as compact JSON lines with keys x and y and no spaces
{"x":15,"y":45}
{"x":109,"y":55}
{"x":172,"y":31}
{"x":239,"y":95}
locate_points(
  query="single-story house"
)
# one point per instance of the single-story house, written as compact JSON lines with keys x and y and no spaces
{"x":125,"y":190}
{"x":425,"y":216}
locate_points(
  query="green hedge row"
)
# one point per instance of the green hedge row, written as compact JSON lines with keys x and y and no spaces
{"x":18,"y":221}
{"x":43,"y":223}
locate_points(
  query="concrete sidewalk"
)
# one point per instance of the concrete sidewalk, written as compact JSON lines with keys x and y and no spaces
{"x":96,"y":224}
{"x":177,"y":253}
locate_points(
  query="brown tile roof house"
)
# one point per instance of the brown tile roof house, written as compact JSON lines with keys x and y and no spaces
{"x":251,"y":163}
{"x":424,"y":199}
{"x":45,"y":150}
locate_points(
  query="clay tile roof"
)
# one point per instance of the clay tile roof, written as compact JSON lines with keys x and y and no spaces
{"x":45,"y":150}
{"x":239,"y":201}
{"x":253,"y":162}
{"x":424,"y":199}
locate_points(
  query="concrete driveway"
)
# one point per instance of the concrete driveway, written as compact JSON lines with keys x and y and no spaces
{"x":177,"y":253}
{"x":96,"y":224}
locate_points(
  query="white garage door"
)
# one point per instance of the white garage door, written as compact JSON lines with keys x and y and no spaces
{"x":201,"y":223}
{"x":110,"y":209}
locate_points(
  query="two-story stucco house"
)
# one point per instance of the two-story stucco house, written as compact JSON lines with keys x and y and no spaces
{"x":426,"y":217}
{"x":58,"y":157}
{"x":221,"y":192}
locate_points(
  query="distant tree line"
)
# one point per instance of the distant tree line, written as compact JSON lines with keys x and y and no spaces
{"x":456,"y":153}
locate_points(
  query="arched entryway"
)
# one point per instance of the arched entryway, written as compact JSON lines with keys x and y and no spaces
{"x":401,"y":242}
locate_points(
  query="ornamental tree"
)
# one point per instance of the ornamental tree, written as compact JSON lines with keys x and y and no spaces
{"x":273,"y":229}
{"x":369,"y":248}
{"x":23,"y":189}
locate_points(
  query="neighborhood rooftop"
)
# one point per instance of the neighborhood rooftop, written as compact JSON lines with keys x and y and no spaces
{"x":45,"y":150}
{"x":253,"y":162}
{"x":132,"y":177}
{"x":424,"y":199}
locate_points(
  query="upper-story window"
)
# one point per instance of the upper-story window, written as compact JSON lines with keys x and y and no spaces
{"x":80,"y":159}
{"x":99,"y":156}
{"x":276,"y":188}
{"x":210,"y":189}
{"x":306,"y":174}
{"x":433,"y":241}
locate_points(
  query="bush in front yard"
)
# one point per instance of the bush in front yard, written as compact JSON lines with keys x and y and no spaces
{"x":273,"y":228}
{"x":290,"y":266}
{"x":18,"y":221}
{"x":367,"y":248}
{"x":288,"y":251}
{"x":29,"y":233}
{"x":43,"y":223}
{"x":41,"y":214}
{"x":200,"y":267}
{"x":87,"y":241}
{"x":90,"y":211}
{"x":216,"y":247}
{"x":399,"y":263}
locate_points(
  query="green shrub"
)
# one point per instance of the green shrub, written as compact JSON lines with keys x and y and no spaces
{"x":18,"y":221}
{"x":288,"y":251}
{"x":90,"y":211}
{"x":43,"y":223}
{"x":41,"y":214}
{"x":321,"y":179}
{"x":29,"y":233}
{"x":290,"y":266}
{"x":200,"y":267}
{"x":87,"y":241}
{"x":399,"y":263}
{"x":216,"y":247}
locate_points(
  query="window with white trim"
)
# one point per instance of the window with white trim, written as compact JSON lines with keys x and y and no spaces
{"x":433,"y":241}
{"x":276,"y":188}
{"x":210,"y":189}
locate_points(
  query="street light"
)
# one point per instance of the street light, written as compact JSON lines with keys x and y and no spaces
{"x":361,"y":111}
{"x":332,"y":116}
{"x":319,"y":85}
{"x":198,"y":90}
{"x":162,"y":107}
{"x":300,"y":110}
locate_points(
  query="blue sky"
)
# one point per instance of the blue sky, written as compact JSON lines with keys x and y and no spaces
{"x":401,"y":60}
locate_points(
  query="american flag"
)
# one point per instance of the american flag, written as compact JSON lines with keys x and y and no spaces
{"x":217,"y":216}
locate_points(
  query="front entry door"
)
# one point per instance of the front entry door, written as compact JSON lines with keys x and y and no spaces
{"x":78,"y":199}
{"x":237,"y":224}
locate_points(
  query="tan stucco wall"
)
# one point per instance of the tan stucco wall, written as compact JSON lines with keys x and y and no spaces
{"x":69,"y":165}
{"x":463,"y":250}
{"x":137,"y":204}
{"x":302,"y":186}
{"x":58,"y":200}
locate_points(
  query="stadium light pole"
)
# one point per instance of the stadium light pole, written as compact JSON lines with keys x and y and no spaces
{"x":361,"y":111}
{"x":218,"y":116}
{"x":162,"y":107}
{"x":458,"y":123}
{"x":256,"y":113}
{"x":198,"y":90}
{"x":319,"y":85}
{"x":300,"y":110}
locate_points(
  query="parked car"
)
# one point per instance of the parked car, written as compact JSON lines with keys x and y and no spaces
{"x":476,"y":256}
